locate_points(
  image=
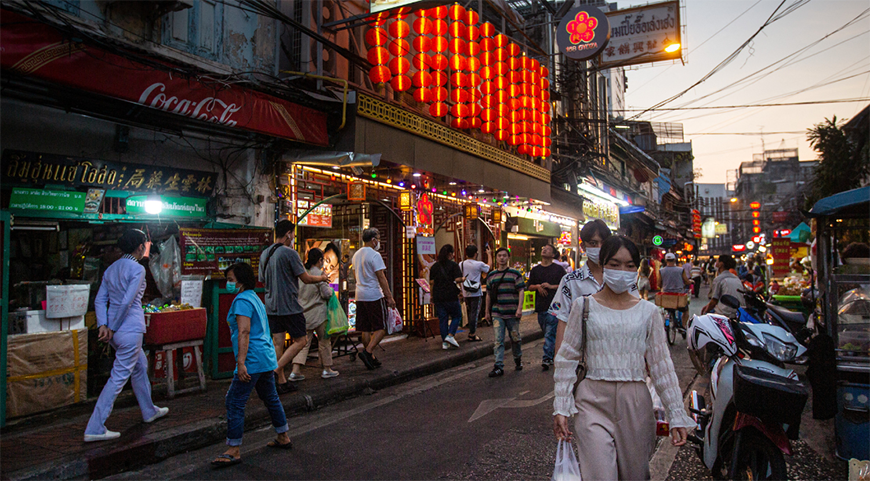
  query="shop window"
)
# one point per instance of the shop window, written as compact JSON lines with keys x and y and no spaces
{"x":197,"y":30}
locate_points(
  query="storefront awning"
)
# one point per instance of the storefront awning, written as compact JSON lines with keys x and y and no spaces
{"x":37,"y":50}
{"x":330,"y":159}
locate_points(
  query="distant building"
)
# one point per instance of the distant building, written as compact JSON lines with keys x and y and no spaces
{"x":715,"y":205}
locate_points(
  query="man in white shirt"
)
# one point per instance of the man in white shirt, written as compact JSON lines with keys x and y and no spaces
{"x":373,"y":296}
{"x":472,"y":269}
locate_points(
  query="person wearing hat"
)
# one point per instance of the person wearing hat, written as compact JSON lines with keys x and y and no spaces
{"x":674,"y":280}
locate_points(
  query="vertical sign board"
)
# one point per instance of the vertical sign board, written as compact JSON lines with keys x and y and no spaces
{"x":781,"y":248}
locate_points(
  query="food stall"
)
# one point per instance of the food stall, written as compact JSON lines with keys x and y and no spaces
{"x":842,"y":233}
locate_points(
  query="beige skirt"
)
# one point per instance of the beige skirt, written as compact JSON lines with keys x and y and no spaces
{"x":614,"y":430}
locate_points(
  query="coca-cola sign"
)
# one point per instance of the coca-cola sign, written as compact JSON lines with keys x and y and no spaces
{"x":39,"y":50}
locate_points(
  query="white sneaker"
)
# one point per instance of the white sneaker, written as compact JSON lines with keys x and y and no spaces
{"x":328,"y":374}
{"x":451,"y":341}
{"x":295,"y":377}
{"x":102,"y":437}
{"x":445,"y":346}
{"x":159,"y":414}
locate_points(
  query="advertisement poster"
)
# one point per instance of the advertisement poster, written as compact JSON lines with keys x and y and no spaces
{"x":781,"y":251}
{"x":210,"y":251}
{"x":426,"y":256}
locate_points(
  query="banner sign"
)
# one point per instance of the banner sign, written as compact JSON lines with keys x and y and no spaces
{"x":641,"y":34}
{"x":210,"y":251}
{"x":781,"y":251}
{"x":721,"y":228}
{"x":35,"y":49}
{"x":780,"y":217}
{"x":583,"y":33}
{"x":604,"y":210}
{"x":47,"y":200}
{"x":190,"y":207}
{"x":34,"y":168}
{"x":320,"y":216}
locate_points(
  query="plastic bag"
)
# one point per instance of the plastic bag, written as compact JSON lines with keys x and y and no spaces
{"x":166,"y":268}
{"x":394,"y":321}
{"x":567,"y":467}
{"x":336,"y":319}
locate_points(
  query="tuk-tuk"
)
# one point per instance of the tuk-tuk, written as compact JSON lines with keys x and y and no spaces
{"x":843,"y":261}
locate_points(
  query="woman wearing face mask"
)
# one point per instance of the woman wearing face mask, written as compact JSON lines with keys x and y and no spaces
{"x":313,"y":299}
{"x":613,"y":408}
{"x":255,"y":362}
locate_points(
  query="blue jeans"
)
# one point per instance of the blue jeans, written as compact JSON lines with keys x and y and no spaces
{"x":237,"y":397}
{"x":452,"y":311}
{"x":548,"y":323}
{"x":513,"y":327}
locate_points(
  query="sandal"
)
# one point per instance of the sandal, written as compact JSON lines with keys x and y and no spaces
{"x":474,"y":338}
{"x":285,"y":388}
{"x":276,"y":444}
{"x":222,"y":464}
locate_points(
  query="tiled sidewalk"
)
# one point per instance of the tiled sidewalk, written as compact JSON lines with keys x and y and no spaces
{"x":51,"y":446}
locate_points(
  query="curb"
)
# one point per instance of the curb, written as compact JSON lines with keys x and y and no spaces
{"x":663,"y":457}
{"x":103,"y":461}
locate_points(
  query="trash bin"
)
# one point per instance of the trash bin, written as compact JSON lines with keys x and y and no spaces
{"x":852,"y":424}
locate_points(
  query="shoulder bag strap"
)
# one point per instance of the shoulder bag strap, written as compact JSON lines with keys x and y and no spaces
{"x":583,"y":323}
{"x":269,"y":257}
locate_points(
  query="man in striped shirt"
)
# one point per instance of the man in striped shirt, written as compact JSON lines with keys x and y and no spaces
{"x":504,"y":308}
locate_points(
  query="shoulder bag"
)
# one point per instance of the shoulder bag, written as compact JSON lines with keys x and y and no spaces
{"x":581,"y":365}
{"x":468,"y":285}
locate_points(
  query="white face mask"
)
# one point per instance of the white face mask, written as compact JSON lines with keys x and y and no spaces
{"x":592,"y":254}
{"x":377,"y":246}
{"x":619,"y":281}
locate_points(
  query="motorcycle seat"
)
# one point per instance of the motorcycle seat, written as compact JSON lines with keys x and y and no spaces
{"x":794,"y":319}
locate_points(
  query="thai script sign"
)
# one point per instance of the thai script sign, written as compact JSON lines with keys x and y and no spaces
{"x":32,"y":168}
{"x":47,"y":200}
{"x":583,"y":33}
{"x":36,"y":49}
{"x":172,"y":206}
{"x":640,"y":35}
{"x":211,"y":251}
{"x":600,"y":209}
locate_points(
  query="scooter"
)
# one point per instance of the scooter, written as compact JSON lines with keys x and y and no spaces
{"x":793,"y":322}
{"x":756,"y":402}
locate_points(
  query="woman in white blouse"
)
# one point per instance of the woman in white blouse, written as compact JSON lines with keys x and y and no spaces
{"x":614,"y":421}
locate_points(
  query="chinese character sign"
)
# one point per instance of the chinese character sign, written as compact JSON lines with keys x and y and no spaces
{"x":641,"y":35}
{"x":583,"y":33}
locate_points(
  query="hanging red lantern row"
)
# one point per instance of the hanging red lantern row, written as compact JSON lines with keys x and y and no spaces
{"x":514,"y":77}
{"x":399,"y":48}
{"x":489,"y":112}
{"x":438,"y":62}
{"x":378,"y":56}
{"x":458,"y":47}
{"x":546,"y":131}
{"x":422,"y":78}
{"x":473,"y":68}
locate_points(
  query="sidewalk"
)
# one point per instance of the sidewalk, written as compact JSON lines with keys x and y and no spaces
{"x":51,"y":446}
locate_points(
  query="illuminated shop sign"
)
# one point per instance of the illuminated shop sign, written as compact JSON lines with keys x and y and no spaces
{"x":583,"y":33}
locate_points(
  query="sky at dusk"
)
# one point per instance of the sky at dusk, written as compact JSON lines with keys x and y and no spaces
{"x":818,"y":71}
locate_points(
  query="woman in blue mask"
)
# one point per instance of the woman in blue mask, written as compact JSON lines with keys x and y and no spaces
{"x":255,"y":363}
{"x":612,"y":406}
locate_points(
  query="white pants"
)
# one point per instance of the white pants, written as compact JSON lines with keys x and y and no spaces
{"x":614,"y":430}
{"x":324,"y":347}
{"x":130,"y":363}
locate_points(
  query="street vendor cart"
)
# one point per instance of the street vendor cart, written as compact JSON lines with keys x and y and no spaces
{"x":842,"y":230}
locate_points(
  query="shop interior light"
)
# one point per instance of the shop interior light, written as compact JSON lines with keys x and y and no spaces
{"x":452,"y":183}
{"x":734,"y":200}
{"x":517,"y":236}
{"x":621,"y":126}
{"x":481,"y":190}
{"x":417,"y":174}
{"x":153,"y":204}
{"x":335,"y":167}
{"x":600,"y":193}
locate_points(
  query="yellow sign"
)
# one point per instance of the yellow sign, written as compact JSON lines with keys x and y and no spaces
{"x":405,"y":201}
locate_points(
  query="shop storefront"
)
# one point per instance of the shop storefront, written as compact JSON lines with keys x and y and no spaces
{"x":535,"y":228}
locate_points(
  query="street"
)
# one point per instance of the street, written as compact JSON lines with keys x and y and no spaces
{"x":458,"y":424}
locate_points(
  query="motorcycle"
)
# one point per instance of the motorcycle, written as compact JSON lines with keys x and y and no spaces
{"x":756,"y":401}
{"x":793,"y":322}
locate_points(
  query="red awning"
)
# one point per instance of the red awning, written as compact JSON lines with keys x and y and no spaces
{"x":33,"y":48}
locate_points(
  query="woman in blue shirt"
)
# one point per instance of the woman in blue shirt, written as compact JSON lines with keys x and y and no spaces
{"x":121,"y":322}
{"x":255,"y":364}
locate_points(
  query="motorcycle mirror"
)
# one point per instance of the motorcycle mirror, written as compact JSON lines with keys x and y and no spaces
{"x":730,"y":301}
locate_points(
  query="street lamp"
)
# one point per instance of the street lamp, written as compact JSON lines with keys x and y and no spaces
{"x":672,"y":47}
{"x":734,"y":200}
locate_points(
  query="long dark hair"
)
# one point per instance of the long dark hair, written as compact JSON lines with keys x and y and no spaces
{"x":314,"y":256}
{"x":445,"y":252}
{"x":611,"y":246}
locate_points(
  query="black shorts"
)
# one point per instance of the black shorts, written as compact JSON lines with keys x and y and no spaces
{"x":371,"y":316}
{"x":294,"y":324}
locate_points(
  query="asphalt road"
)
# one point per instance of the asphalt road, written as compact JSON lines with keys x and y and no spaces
{"x":458,"y":424}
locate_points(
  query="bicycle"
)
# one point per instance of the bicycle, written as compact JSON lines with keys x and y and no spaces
{"x":671,"y":328}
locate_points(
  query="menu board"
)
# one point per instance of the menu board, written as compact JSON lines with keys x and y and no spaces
{"x":210,"y":251}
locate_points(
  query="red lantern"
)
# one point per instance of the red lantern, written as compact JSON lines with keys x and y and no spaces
{"x":378,"y":55}
{"x":421,"y":61}
{"x":545,"y":152}
{"x":438,"y":12}
{"x":399,"y":29}
{"x":513,"y":49}
{"x":459,"y":123}
{"x":487,"y":102}
{"x":376,"y":37}
{"x":488,"y":88}
{"x":500,"y":54}
{"x":438,"y":109}
{"x":459,"y":110}
{"x":488,"y":115}
{"x":487,"y":127}
{"x":547,"y":141}
{"x":545,"y":95}
{"x":380,"y":74}
{"x":456,"y":12}
{"x":457,"y":46}
{"x":422,"y":79}
{"x":500,"y":68}
{"x":545,"y":119}
{"x":501,"y":40}
{"x":523,"y":149}
{"x":399,"y":47}
{"x":399,"y":65}
{"x":422,"y":44}
{"x":439,"y":94}
{"x":400,"y":83}
{"x":502,"y":135}
{"x":487,"y":73}
{"x":439,"y":78}
{"x":487,"y":29}
{"x":545,"y":84}
{"x":439,"y":27}
{"x":459,"y":79}
{"x":544,"y":72}
{"x":473,"y":64}
{"x":458,"y":62}
{"x":459,"y":95}
{"x":474,"y":79}
{"x":502,"y":124}
{"x":471,"y":17}
{"x":487,"y":58}
{"x":423,"y":25}
{"x":439,"y":62}
{"x":487,"y":44}
{"x":474,"y":50}
{"x":439,"y":44}
{"x":422,"y":95}
{"x":474,"y":96}
{"x":474,"y":109}
{"x":474,"y":123}
{"x":547,"y":131}
{"x":458,"y":30}
{"x":473,"y":32}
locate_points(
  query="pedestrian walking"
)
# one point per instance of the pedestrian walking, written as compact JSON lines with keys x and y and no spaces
{"x":726,"y":283}
{"x":255,"y":364}
{"x":544,"y":279}
{"x":313,"y":299}
{"x":674,"y":280}
{"x":472,"y":270}
{"x":696,"y":277}
{"x":121,"y":322}
{"x":373,"y":296}
{"x":643,"y":283}
{"x":504,"y":308}
{"x":444,"y":276}
{"x":280,"y":271}
{"x":612,"y":406}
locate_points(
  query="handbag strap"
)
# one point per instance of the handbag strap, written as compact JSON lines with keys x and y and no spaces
{"x":583,"y":322}
{"x":269,"y":257}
